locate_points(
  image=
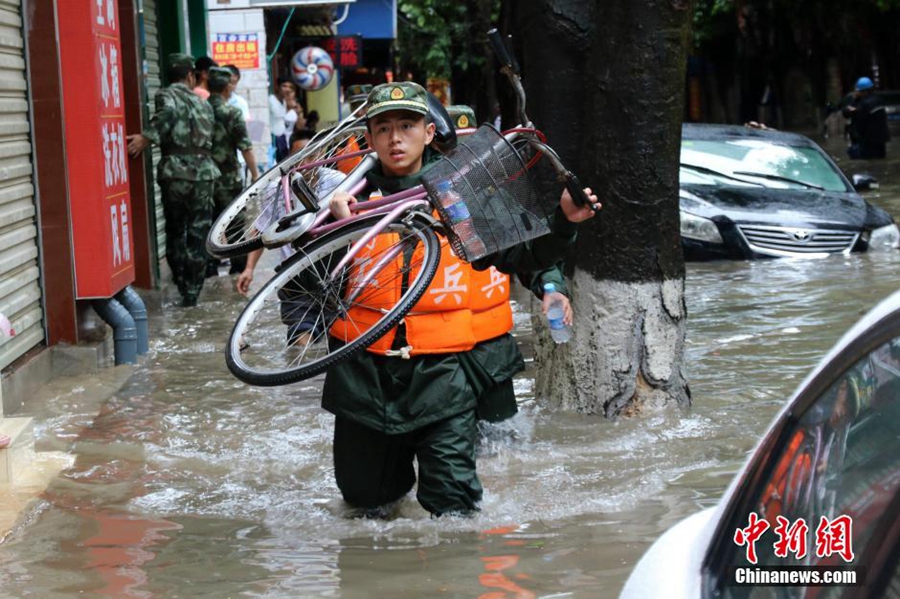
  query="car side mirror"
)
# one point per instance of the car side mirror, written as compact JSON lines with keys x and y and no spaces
{"x":864,"y":182}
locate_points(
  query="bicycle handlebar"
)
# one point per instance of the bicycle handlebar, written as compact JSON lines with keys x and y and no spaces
{"x":577,"y":191}
{"x":502,"y":52}
{"x":511,"y":68}
{"x":573,"y":185}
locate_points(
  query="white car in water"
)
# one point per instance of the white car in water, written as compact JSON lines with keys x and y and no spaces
{"x":819,"y":498}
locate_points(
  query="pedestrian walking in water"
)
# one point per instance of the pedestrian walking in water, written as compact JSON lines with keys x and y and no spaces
{"x":182,"y":127}
{"x":868,"y":122}
{"x":229,"y":137}
{"x":414,"y":394}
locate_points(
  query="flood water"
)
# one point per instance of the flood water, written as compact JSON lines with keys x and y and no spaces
{"x":187,"y":483}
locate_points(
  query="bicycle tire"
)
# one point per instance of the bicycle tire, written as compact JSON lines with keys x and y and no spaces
{"x":322,"y":255}
{"x":233,"y":232}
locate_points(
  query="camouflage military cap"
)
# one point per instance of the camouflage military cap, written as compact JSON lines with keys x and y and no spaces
{"x":405,"y":95}
{"x":359,"y":89}
{"x":462,"y":116}
{"x":219,"y":76}
{"x":181,"y":60}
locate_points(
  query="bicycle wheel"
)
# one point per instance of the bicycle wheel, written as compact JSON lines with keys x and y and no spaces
{"x":238,"y":230}
{"x":282,"y":335}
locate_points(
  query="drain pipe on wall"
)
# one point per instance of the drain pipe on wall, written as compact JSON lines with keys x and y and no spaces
{"x":129,"y":298}
{"x":124,"y":329}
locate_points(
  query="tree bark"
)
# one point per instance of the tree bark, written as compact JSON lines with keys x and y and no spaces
{"x":606,"y":82}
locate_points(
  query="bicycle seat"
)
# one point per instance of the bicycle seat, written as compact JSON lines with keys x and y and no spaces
{"x":444,"y":131}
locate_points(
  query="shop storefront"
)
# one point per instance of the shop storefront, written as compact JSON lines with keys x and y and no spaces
{"x":356,"y":35}
{"x":79,"y":220}
{"x":20,"y":286}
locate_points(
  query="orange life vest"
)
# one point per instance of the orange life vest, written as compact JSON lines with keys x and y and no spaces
{"x":791,"y":473}
{"x":461,"y":306}
{"x":346,"y":165}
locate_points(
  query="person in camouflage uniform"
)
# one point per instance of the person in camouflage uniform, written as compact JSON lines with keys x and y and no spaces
{"x":229,"y":136}
{"x":182,"y":127}
{"x":463,"y":116}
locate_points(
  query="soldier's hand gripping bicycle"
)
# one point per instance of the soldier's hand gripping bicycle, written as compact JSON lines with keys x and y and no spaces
{"x":480,"y":198}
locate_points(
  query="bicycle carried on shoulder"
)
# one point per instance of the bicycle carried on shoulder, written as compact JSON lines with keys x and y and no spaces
{"x":477,"y":200}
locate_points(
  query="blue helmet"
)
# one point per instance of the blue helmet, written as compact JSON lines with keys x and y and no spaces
{"x":864,"y":83}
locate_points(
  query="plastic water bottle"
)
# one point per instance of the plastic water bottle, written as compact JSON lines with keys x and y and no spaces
{"x":461,"y":219}
{"x":559,"y":330}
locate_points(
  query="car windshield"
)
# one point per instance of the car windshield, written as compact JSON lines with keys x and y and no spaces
{"x":756,"y":163}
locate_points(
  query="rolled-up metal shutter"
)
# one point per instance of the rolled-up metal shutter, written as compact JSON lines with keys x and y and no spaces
{"x":20,"y":291}
{"x":154,"y":82}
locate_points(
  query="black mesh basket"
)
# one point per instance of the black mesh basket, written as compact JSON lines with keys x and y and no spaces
{"x":485,"y":195}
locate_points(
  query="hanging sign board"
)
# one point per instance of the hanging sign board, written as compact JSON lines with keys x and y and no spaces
{"x":239,"y":49}
{"x":96,"y":149}
{"x":345,"y":50}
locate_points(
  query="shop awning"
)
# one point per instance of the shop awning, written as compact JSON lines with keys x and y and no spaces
{"x":290,"y":3}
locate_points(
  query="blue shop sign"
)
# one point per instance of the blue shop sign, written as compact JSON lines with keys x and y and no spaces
{"x":372,"y":19}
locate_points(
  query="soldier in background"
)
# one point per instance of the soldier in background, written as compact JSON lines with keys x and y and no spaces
{"x":229,"y":136}
{"x":356,"y":95}
{"x":463,"y":117}
{"x":182,"y":127}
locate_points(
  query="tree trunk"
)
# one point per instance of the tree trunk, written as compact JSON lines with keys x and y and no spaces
{"x":606,"y":82}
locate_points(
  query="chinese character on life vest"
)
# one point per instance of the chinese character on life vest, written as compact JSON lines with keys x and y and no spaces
{"x":498,"y":281}
{"x":835,"y":537}
{"x":452,"y":286}
{"x":748,"y":536}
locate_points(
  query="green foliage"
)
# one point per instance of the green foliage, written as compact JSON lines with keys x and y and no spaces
{"x":713,"y":18}
{"x":436,"y":36}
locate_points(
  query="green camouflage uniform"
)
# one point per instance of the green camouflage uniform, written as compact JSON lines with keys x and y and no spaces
{"x":229,"y":136}
{"x":182,"y":127}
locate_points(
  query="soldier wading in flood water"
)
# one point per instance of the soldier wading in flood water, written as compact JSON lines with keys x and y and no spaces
{"x":182,"y":127}
{"x":229,"y":137}
{"x":417,"y":392}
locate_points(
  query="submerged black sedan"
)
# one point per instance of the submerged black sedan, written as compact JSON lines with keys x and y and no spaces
{"x":753,"y":193}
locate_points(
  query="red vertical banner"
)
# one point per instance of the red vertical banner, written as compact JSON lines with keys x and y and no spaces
{"x":90,"y":57}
